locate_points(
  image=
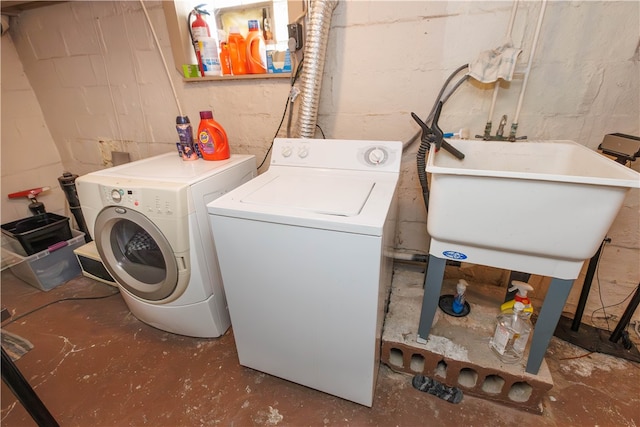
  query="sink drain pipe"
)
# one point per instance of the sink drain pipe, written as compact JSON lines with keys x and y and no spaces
{"x":320,"y":12}
{"x":427,"y":139}
{"x":413,"y":257}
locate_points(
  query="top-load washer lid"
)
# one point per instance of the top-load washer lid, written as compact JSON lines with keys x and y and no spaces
{"x":346,"y":201}
{"x":334,"y":185}
{"x":326,"y":195}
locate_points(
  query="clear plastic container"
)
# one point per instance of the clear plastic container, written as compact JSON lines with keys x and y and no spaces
{"x":511,"y":335}
{"x":48,"y":268}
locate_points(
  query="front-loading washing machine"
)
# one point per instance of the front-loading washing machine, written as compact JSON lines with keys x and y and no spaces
{"x":151,"y":228}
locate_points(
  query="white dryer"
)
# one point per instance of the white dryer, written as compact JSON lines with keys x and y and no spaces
{"x":304,"y":252}
{"x":151,"y":228}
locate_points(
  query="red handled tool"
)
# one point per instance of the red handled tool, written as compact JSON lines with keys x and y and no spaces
{"x":35,"y":206}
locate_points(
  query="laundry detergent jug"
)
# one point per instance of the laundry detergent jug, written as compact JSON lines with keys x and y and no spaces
{"x":212,"y":138}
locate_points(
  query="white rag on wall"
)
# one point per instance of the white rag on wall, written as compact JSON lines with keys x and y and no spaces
{"x":495,"y":64}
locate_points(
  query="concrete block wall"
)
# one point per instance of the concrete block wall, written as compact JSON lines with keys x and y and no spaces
{"x":29,"y":154}
{"x":99,"y":80}
{"x":391,"y":58}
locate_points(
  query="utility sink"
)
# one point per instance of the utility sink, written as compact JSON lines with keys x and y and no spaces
{"x":541,"y":207}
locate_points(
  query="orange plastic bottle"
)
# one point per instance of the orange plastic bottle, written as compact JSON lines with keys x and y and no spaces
{"x":256,"y":50}
{"x":238,"y":52}
{"x":212,"y":139}
{"x":225,"y":59}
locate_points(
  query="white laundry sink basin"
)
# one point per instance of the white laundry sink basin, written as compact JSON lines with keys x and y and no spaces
{"x":541,"y":207}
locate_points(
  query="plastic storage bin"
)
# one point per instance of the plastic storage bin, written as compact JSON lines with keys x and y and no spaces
{"x":51,"y":267}
{"x":37,"y":233}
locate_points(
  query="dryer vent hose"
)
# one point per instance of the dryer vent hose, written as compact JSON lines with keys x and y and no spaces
{"x":314,"y":58}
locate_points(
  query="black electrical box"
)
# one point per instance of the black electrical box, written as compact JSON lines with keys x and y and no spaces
{"x":295,"y":32}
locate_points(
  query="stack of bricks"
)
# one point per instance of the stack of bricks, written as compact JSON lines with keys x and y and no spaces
{"x":457,"y":351}
{"x":524,"y":391}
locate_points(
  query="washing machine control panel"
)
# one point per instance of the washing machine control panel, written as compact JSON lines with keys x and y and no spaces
{"x":121,"y":196}
{"x":152,"y":202}
{"x":337,"y":154}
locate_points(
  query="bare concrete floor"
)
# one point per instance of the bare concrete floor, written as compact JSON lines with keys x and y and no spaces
{"x":94,"y":364}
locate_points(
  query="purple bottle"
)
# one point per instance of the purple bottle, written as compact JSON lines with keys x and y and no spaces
{"x":185,"y":133}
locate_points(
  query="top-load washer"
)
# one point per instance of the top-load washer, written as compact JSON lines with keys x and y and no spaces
{"x":151,"y":228}
{"x":304,"y":252}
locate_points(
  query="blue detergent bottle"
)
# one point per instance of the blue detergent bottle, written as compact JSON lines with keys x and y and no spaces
{"x":458,"y":300}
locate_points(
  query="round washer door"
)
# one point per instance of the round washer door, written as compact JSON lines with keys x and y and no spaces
{"x":136,"y":253}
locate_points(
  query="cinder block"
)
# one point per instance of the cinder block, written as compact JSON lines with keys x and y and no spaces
{"x":524,"y":392}
{"x":457,"y":351}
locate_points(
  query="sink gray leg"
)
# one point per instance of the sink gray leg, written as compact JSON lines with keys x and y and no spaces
{"x":432,"y":287}
{"x":547,"y":321}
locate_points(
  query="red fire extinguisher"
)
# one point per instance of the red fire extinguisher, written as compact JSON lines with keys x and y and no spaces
{"x":197,"y":30}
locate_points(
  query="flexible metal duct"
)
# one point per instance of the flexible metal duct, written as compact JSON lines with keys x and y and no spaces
{"x":319,"y":21}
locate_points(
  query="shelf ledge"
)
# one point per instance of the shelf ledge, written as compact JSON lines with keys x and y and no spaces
{"x":242,"y":77}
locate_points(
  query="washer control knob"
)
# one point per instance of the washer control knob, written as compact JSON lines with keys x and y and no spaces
{"x":303,"y":152}
{"x":116,"y":196}
{"x":286,"y":151}
{"x":376,"y":156}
